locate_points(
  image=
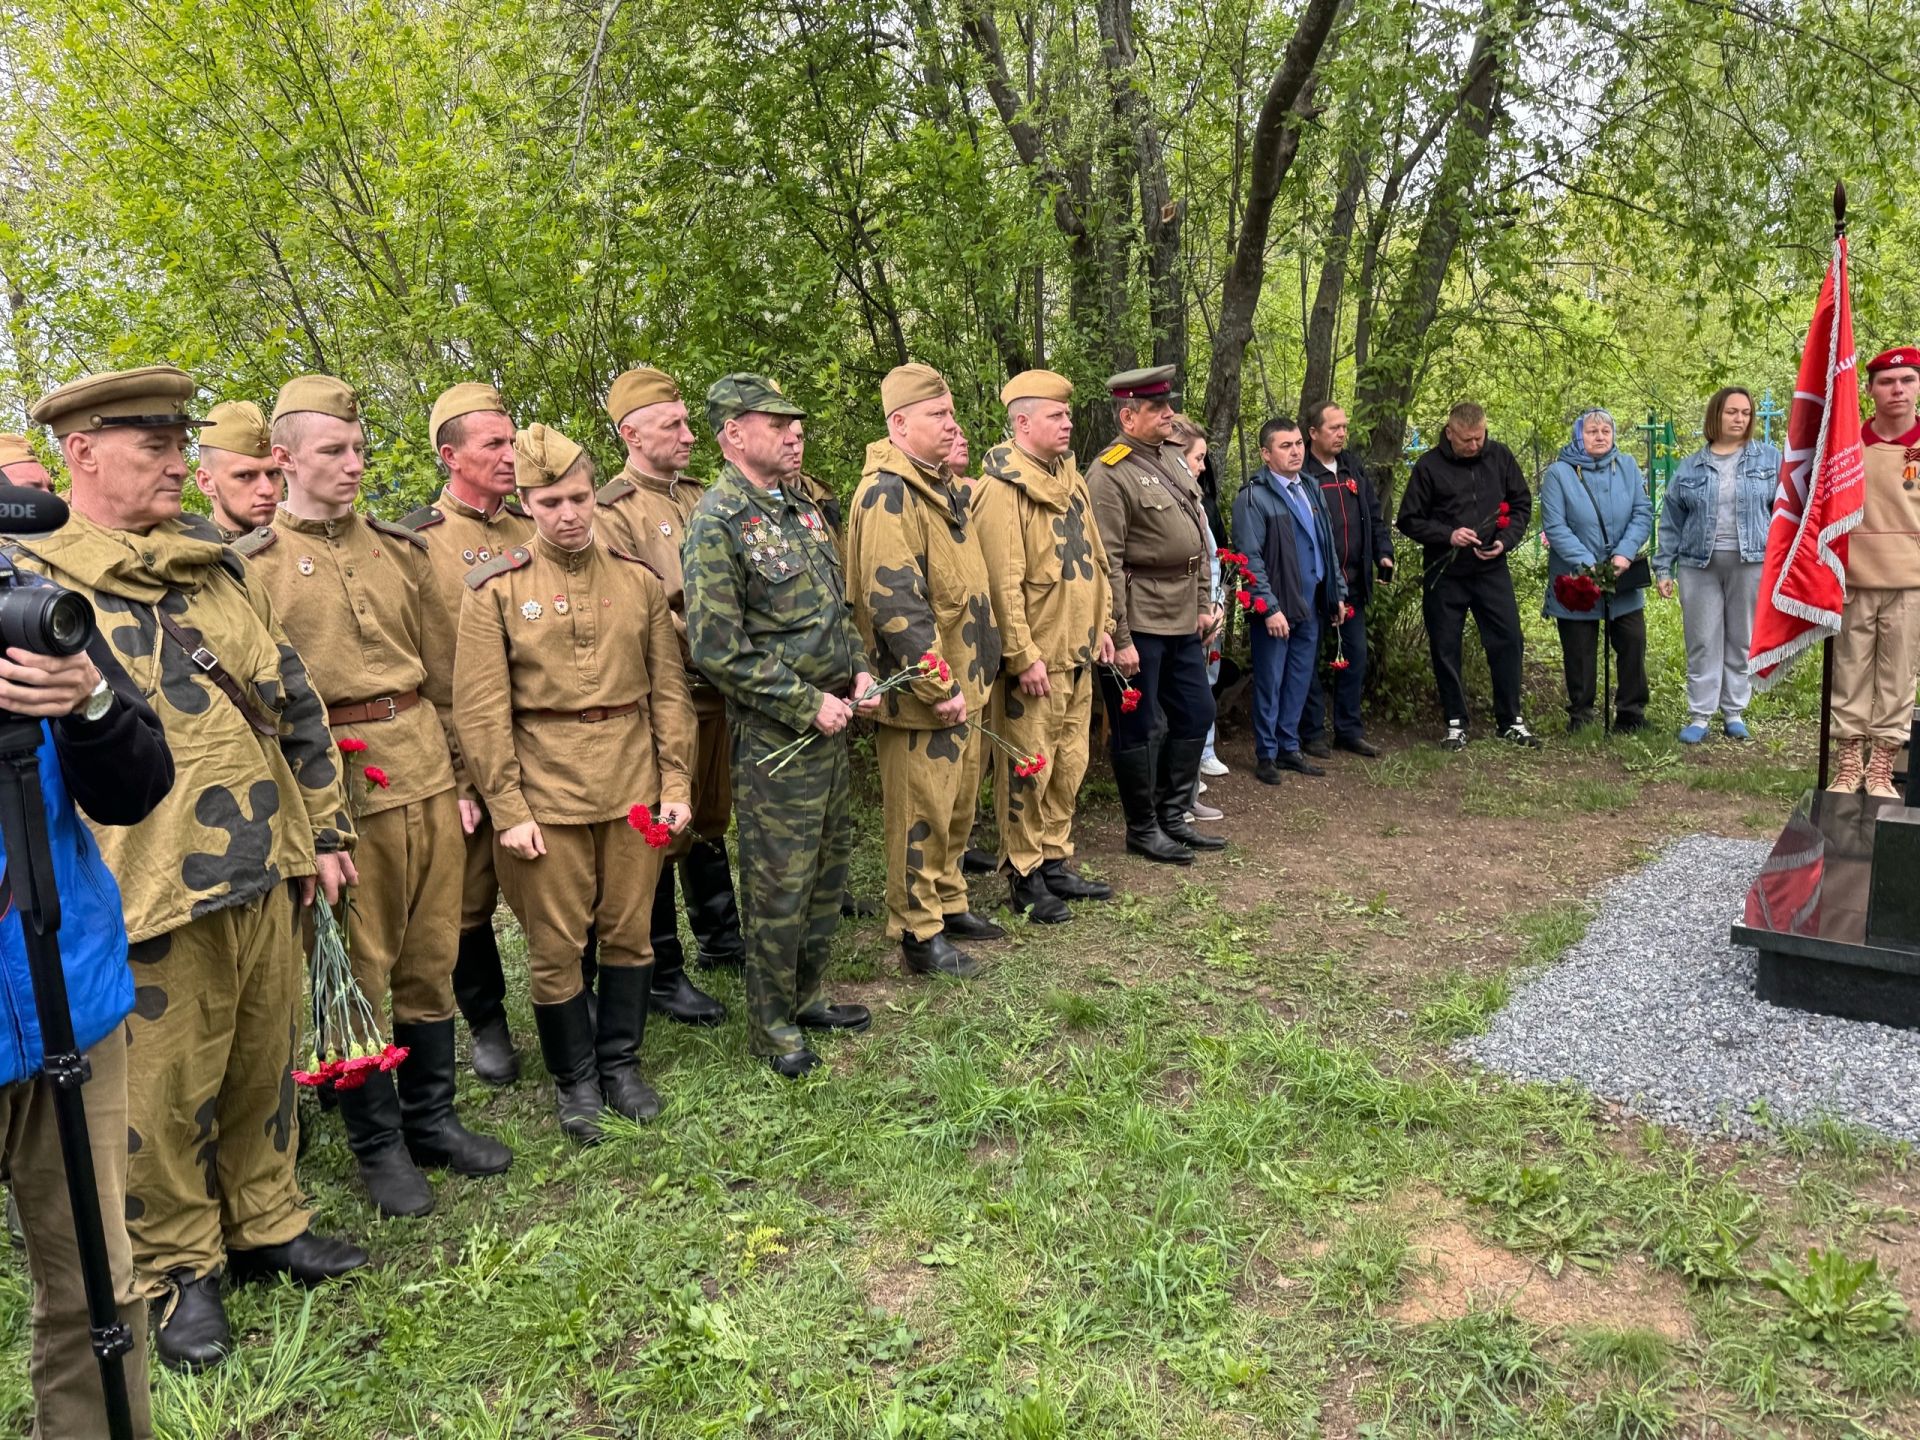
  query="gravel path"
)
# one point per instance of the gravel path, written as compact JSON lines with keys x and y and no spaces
{"x":1654,"y":1008}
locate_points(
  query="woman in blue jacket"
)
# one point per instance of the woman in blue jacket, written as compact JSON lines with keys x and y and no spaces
{"x":1714,"y":521}
{"x":1594,"y":510}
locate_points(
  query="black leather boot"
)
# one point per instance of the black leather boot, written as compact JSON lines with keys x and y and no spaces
{"x":371,"y":1113}
{"x":190,"y":1323}
{"x":1069,"y":886}
{"x":712,"y":912}
{"x":435,"y":1137}
{"x":938,"y":956}
{"x":307,"y":1259}
{"x":1179,"y":771}
{"x":480,"y":989}
{"x":566,"y":1043}
{"x":1029,"y":893}
{"x":673,"y":994}
{"x":1133,"y":772}
{"x":618,"y":1033}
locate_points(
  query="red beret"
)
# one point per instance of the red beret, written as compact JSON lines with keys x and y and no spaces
{"x":1901,"y":356}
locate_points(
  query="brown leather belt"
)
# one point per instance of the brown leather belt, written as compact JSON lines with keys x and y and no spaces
{"x":1191,"y":568}
{"x":585,"y":717}
{"x":387,"y":707}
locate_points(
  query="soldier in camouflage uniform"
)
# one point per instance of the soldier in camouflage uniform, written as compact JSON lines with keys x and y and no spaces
{"x":352,"y":592}
{"x":920,"y":585}
{"x":644,"y":510}
{"x":235,"y":468}
{"x":1053,"y":601}
{"x":768,"y":625}
{"x":210,"y":880}
{"x":475,"y":517}
{"x":20,"y":466}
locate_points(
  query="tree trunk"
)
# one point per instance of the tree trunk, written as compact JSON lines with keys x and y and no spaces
{"x":1323,"y":319}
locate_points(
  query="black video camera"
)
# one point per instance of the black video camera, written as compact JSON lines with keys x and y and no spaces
{"x":35,"y":614}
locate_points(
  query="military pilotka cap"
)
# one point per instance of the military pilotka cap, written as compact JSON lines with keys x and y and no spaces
{"x":469,"y":397}
{"x":907,"y":384}
{"x":541,"y":455}
{"x":152,"y":397}
{"x":1153,"y":383}
{"x":637,"y":389}
{"x":743,"y":393}
{"x":14,"y":450}
{"x":1036,"y":385}
{"x":236,"y":426}
{"x":318,"y":395}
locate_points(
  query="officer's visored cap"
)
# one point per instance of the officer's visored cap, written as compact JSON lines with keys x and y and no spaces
{"x":1036,"y":385}
{"x":236,"y":426}
{"x":907,"y":384}
{"x":541,"y":455}
{"x":319,"y":395}
{"x":639,"y":388}
{"x":744,"y":393}
{"x":469,"y":397}
{"x":1153,"y":383}
{"x":152,"y":397}
{"x":14,"y":450}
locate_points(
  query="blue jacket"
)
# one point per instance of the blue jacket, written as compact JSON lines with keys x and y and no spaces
{"x":1687,"y":512}
{"x":1591,"y":509}
{"x":1263,"y":531}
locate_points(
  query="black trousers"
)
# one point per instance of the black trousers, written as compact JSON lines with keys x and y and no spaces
{"x":1486,"y":593}
{"x":1346,"y":684}
{"x":1172,"y":678}
{"x":1580,"y":654}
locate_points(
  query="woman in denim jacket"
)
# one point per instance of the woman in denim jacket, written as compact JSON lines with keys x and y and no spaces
{"x":1714,"y":521}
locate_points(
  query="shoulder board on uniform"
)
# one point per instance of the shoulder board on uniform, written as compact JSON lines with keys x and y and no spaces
{"x":501,"y":564}
{"x":726,"y":501}
{"x":425,"y":518}
{"x":513,"y":507}
{"x":397,"y":531}
{"x":619,"y":554}
{"x":255,"y":541}
{"x":617,"y":488}
{"x":1115,"y":453}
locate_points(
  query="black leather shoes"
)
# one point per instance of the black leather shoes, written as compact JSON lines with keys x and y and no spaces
{"x":1293,"y":760}
{"x":855,"y":909}
{"x":1029,"y":894}
{"x":678,"y":998}
{"x":835,"y":1017}
{"x":968,"y":926}
{"x":1358,"y":745}
{"x":190,"y":1323}
{"x":938,"y":956}
{"x":1267,"y":772}
{"x":795,"y":1064}
{"x":494,"y":1058}
{"x":1069,"y":886}
{"x":977,"y":862}
{"x":1318,"y":748}
{"x":308,"y":1259}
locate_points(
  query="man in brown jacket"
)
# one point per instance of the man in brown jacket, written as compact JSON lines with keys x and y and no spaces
{"x":257,"y":803}
{"x":235,"y":468}
{"x":644,"y":511}
{"x":577,"y":727}
{"x":474,"y":518}
{"x":1052,"y":599}
{"x":353,"y":591}
{"x":919,"y":583}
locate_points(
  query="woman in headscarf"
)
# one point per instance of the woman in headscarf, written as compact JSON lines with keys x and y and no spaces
{"x":1595,"y":512}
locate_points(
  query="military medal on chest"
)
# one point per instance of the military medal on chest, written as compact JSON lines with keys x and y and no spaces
{"x":560,"y":606}
{"x":483,"y":556}
{"x":531,"y":610}
{"x":468,"y":556}
{"x":305,"y":564}
{"x":666,"y":529}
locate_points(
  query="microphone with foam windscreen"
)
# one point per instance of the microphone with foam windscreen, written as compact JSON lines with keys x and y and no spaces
{"x":27,"y":511}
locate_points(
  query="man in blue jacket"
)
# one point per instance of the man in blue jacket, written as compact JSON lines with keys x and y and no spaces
{"x":1364,"y":547}
{"x":101,"y":754}
{"x":1295,"y":589}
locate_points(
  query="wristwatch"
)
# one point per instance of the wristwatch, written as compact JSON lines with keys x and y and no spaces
{"x":99,"y":701}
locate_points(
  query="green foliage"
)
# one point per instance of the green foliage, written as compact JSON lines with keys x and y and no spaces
{"x":1833,"y":1299}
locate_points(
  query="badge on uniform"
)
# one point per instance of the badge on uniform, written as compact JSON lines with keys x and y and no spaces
{"x":665,"y":528}
{"x":531,"y":610}
{"x":484,"y":556}
{"x":467,"y":555}
{"x":560,"y":605}
{"x":305,"y":564}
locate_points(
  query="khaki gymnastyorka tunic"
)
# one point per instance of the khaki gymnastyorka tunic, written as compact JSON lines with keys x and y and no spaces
{"x":1153,"y":523}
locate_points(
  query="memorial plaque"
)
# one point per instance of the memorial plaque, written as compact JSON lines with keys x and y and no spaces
{"x":1893,"y":894}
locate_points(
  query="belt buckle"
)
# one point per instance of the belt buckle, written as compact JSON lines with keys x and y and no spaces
{"x":204,"y":658}
{"x":591,"y":716}
{"x":393,"y":708}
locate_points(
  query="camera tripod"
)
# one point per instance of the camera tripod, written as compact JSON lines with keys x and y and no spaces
{"x":29,"y":869}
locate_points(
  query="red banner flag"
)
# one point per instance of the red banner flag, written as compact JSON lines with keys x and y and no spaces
{"x":1804,"y":582}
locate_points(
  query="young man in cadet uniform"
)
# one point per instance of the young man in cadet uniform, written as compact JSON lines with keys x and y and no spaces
{"x":643,"y":511}
{"x":1155,"y":531}
{"x":768,"y":624}
{"x":473,"y":519}
{"x":574,"y":715}
{"x":1051,"y":594}
{"x":351,"y":591}
{"x":209,"y":881}
{"x":235,"y":468}
{"x":919,"y":584}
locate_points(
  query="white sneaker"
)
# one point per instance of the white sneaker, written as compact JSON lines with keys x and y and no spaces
{"x":1204,"y":812}
{"x":1213,"y":765}
{"x":1456,"y":736}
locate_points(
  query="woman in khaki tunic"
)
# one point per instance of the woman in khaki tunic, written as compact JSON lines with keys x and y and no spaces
{"x":573,"y":712}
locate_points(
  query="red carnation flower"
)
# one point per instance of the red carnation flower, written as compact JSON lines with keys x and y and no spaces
{"x":390,"y":1057}
{"x":1503,"y":522}
{"x":1212,"y":655}
{"x":308,"y":1077}
{"x":1505,"y":507}
{"x":349,"y":1080}
{"x":1129,"y":700}
{"x":1340,"y":662}
{"x":377,"y":778}
{"x":351,"y":746}
{"x":1242,"y":598}
{"x":1579,"y":593}
{"x":639,"y":817}
{"x":659,"y":835}
{"x":1260,"y":607}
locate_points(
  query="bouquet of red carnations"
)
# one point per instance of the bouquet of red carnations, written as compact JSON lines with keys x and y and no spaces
{"x":928,"y":666}
{"x":347,"y":1047}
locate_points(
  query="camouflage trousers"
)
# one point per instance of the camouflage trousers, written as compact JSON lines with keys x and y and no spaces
{"x":796,"y":837}
{"x":66,"y":1378}
{"x":712,"y":779}
{"x":402,"y":930}
{"x":600,"y":875}
{"x":211,"y":1128}
{"x":479,"y":886}
{"x":1036,"y":811}
{"x":929,"y":789}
